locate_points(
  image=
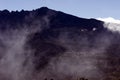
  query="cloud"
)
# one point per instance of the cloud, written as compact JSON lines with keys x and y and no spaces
{"x":110,"y":20}
{"x":111,"y":24}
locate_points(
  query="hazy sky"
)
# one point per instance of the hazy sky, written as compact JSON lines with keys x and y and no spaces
{"x":81,"y":8}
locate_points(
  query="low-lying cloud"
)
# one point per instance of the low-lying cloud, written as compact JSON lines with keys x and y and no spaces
{"x":110,"y":20}
{"x":111,"y":23}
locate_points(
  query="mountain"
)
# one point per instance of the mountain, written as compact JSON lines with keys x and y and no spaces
{"x":56,"y":18}
{"x":42,"y":44}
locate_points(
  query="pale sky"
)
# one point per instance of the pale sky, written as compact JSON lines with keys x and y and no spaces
{"x":81,"y":8}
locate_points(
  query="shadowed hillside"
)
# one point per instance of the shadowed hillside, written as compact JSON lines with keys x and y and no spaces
{"x":46,"y":44}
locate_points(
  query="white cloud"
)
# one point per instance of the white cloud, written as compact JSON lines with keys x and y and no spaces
{"x":110,"y":20}
{"x":111,"y":23}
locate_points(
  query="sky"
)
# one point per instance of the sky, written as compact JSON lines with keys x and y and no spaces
{"x":80,"y":8}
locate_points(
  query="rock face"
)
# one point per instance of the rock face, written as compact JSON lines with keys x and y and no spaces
{"x":43,"y":43}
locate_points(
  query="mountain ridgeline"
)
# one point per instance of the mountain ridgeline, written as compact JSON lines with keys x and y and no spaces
{"x":43,"y":44}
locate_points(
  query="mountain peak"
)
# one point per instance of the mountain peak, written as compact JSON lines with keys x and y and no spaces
{"x":43,"y":9}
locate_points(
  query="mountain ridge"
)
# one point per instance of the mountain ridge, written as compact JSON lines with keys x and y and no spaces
{"x":61,"y":18}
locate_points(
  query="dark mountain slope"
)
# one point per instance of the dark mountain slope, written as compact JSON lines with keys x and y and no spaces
{"x":45,"y":43}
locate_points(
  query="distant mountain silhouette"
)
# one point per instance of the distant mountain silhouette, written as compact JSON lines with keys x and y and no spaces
{"x":57,"y":19}
{"x":46,"y":43}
